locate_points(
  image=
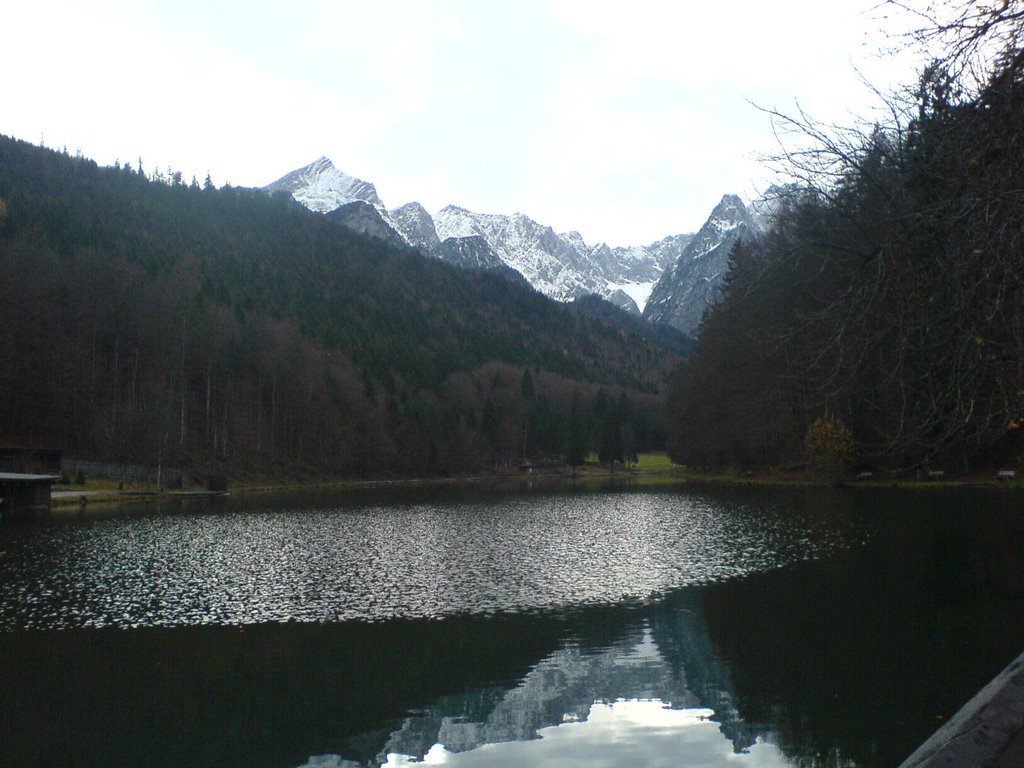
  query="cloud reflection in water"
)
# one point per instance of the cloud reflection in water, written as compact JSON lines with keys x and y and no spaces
{"x":621,"y":734}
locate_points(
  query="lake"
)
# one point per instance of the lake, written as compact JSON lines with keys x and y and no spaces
{"x":471,"y":626}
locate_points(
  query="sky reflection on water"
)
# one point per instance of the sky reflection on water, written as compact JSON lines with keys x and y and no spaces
{"x":824,"y":628}
{"x":620,"y":734}
{"x":622,"y":705}
{"x":381,"y":562}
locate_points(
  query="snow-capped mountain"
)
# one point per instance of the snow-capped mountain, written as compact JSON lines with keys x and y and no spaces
{"x":686,"y":289}
{"x":552,"y":264}
{"x":417,"y":228}
{"x":321,"y":187}
{"x":562,"y":265}
{"x":470,"y":252}
{"x":669,"y":281}
{"x":643,"y":265}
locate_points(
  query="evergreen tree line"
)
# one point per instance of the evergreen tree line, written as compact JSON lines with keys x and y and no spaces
{"x":886,"y":300}
{"x":150,"y":321}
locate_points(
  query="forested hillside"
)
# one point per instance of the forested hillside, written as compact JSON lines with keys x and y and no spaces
{"x":150,"y":320}
{"x":886,"y":302}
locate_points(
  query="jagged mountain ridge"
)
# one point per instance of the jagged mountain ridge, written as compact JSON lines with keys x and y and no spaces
{"x":684,"y":291}
{"x":552,"y":264}
{"x":416,"y":226}
{"x":559,"y":265}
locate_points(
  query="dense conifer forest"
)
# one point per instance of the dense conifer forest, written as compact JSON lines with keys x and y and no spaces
{"x":151,"y":320}
{"x":881,"y":317}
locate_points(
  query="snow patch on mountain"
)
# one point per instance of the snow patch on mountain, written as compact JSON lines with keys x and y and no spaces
{"x":638,"y":292}
{"x":563,"y":265}
{"x":574,"y":240}
{"x":550,"y":263}
{"x":416,"y":227}
{"x":647,"y":279}
{"x":323,"y":188}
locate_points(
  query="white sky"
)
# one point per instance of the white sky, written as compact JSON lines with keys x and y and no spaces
{"x":625,"y":121}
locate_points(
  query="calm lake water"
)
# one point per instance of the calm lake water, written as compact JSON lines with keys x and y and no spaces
{"x":470,"y":627}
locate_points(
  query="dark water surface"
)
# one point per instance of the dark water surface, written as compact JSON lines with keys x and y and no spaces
{"x":467,"y":627}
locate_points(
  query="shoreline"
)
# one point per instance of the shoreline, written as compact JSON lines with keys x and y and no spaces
{"x":64,"y":497}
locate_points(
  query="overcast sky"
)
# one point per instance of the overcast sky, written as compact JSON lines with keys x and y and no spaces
{"x":625,"y":121}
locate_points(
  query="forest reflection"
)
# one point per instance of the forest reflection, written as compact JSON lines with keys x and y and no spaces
{"x":846,"y":659}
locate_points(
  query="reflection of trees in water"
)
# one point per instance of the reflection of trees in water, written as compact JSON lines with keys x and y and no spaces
{"x":851,"y":657}
{"x":869,"y":649}
{"x":846,"y":661}
{"x":263,"y":695}
{"x":657,"y":652}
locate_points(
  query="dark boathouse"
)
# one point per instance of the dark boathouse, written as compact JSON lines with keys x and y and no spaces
{"x":23,"y":494}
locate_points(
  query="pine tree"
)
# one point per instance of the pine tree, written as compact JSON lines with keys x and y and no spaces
{"x":526,"y":385}
{"x":610,"y":448}
{"x":576,"y":432}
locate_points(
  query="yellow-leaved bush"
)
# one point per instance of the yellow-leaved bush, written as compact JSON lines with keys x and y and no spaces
{"x":828,"y":446}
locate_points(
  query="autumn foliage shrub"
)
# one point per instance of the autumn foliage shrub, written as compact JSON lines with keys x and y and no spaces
{"x":828,"y":447}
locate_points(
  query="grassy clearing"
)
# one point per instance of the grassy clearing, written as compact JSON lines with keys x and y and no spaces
{"x":650,"y":462}
{"x":654,"y":461}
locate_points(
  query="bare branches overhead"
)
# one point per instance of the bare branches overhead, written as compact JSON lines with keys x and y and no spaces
{"x":890,"y":291}
{"x":971,"y":39}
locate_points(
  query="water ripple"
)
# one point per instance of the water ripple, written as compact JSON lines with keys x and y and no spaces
{"x":380,"y":562}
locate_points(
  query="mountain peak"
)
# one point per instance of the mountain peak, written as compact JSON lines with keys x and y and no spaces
{"x":685,"y":289}
{"x":560,"y":265}
{"x":728,"y":214}
{"x":321,"y":187}
{"x":416,"y":226}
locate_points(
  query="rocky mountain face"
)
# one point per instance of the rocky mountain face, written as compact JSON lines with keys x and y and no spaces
{"x":552,"y":263}
{"x":686,"y":289}
{"x":471,"y":252}
{"x":417,"y":227}
{"x":362,"y":217}
{"x":670,"y":281}
{"x":321,"y":187}
{"x":474,"y":252}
